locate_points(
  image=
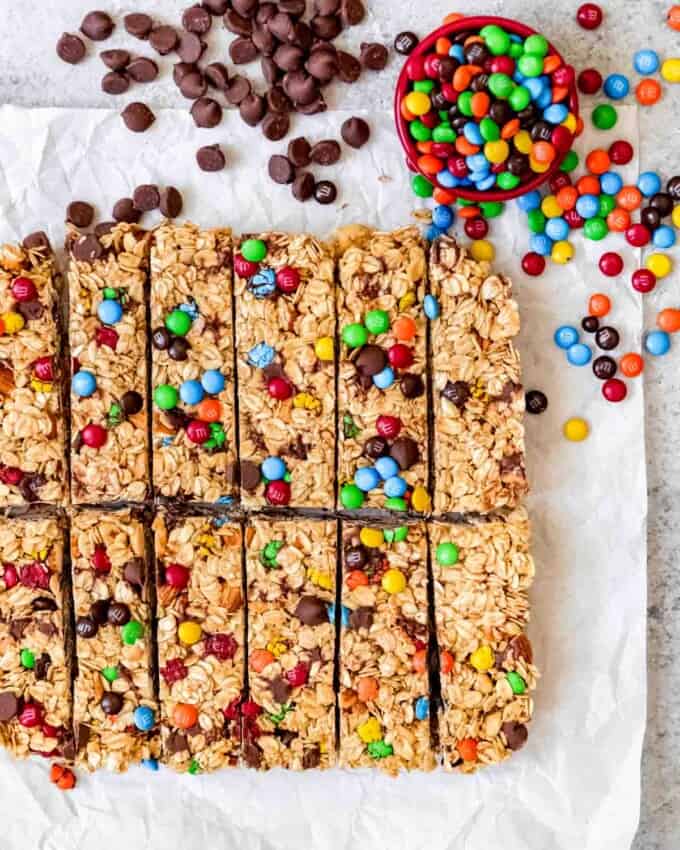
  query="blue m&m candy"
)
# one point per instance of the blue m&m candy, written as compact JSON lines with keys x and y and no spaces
{"x":273,"y":468}
{"x":646,"y":61}
{"x":657,"y":343}
{"x":110,"y":312}
{"x":367,"y":478}
{"x":191,"y":392}
{"x":566,"y":336}
{"x":386,"y":467}
{"x":579,"y":354}
{"x":84,"y":383}
{"x":213,"y":381}
{"x":143,"y":718}
{"x":616,"y":86}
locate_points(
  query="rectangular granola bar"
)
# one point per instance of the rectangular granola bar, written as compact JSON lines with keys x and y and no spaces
{"x":114,"y":706}
{"x":478,"y":397}
{"x":482,"y":574}
{"x":108,"y":335}
{"x":382,"y":390}
{"x":32,"y":449}
{"x":193,"y":355}
{"x":200,"y":640}
{"x":290,"y":720}
{"x":384,"y":687}
{"x":285,"y":308}
{"x":35,"y":681}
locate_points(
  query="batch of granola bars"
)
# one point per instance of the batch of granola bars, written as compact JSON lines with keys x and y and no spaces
{"x":262,"y":503}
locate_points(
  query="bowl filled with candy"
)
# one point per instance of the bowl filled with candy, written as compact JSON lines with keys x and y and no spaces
{"x":486,"y":110}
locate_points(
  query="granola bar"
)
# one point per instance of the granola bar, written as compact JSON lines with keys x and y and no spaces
{"x":478,"y":397}
{"x":286,"y":383}
{"x":35,"y":682}
{"x":384,"y":688}
{"x":200,"y":640}
{"x":108,"y":333}
{"x":290,"y":719}
{"x":114,"y":707}
{"x":382,"y":389}
{"x":32,"y":450}
{"x":194,"y":442}
{"x":482,"y":574}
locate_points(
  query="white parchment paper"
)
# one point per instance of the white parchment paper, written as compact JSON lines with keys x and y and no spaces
{"x":575,"y":786}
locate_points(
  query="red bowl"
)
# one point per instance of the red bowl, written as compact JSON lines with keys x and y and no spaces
{"x":472,"y":23}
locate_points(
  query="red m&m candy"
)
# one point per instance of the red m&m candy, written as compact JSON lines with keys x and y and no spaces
{"x":93,"y":436}
{"x":388,"y":426}
{"x":611,"y":264}
{"x":589,"y":16}
{"x":277,"y":492}
{"x":43,"y":369}
{"x":176,"y":576}
{"x":23,"y":289}
{"x":198,"y":432}
{"x":621,"y":152}
{"x":533,"y":264}
{"x":589,"y":81}
{"x":614,"y":390}
{"x":244,"y":268}
{"x":638,"y":235}
{"x":400,"y":356}
{"x":288,"y":279}
{"x":643,"y":280}
{"x":279,"y":388}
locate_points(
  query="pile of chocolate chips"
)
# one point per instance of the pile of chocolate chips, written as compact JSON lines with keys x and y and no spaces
{"x":145,"y":198}
{"x":296,"y":54}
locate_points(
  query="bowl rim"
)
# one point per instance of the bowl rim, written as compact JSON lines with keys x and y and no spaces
{"x":409,"y":146}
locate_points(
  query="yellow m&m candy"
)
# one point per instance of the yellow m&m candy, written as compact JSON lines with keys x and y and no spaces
{"x":576,"y":429}
{"x":189,"y":632}
{"x":393,"y":581}
{"x":482,"y":659}
{"x":323,"y":348}
{"x":371,"y":537}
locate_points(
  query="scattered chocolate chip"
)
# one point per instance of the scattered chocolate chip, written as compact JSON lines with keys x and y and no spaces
{"x":299,"y":151}
{"x":516,"y":734}
{"x":352,"y":12}
{"x":206,"y":112}
{"x":138,"y":117}
{"x":281,"y":26}
{"x":300,"y":87}
{"x":210,"y":158}
{"x":355,"y":132}
{"x":361,"y":618}
{"x":115,"y":82}
{"x":125,"y":210}
{"x":275,"y":126}
{"x":9,"y":706}
{"x":177,"y":742}
{"x":405,"y":42}
{"x":37,"y":241}
{"x":325,"y":192}
{"x":251,"y":109}
{"x":326,"y":152}
{"x":196,"y":19}
{"x":217,"y":75}
{"x":138,"y":24}
{"x":238,"y":24}
{"x":86,"y":627}
{"x":270,"y":72}
{"x":179,"y":348}
{"x":376,"y":447}
{"x":280,"y":689}
{"x":457,"y":392}
{"x":180,"y":70}
{"x":536,"y":401}
{"x":277,"y":100}
{"x":146,"y":197}
{"x":311,"y":757}
{"x":164,"y":39}
{"x":238,"y":90}
{"x":111,"y":702}
{"x":349,"y":67}
{"x":31,"y":311}
{"x":373,"y":56}
{"x":250,"y":475}
{"x":142,"y":70}
{"x":190,"y":47}
{"x":289,"y":57}
{"x":18,"y":627}
{"x":370,"y":360}
{"x":281,"y":169}
{"x":242,"y":50}
{"x":317,"y":105}
{"x":252,"y":755}
{"x":265,"y":12}
{"x":131,"y":403}
{"x":116,"y":60}
{"x":263,"y":40}
{"x":97,"y":25}
{"x":193,"y":85}
{"x":245,"y":7}
{"x":412,"y":386}
{"x":604,"y":367}
{"x":326,"y":27}
{"x":296,"y":8}
{"x":44,"y":603}
{"x":326,"y":7}
{"x":103,"y":227}
{"x":42,"y":666}
{"x":302,"y":35}
{"x":87,"y":249}
{"x":216,"y":7}
{"x":70,"y":48}
{"x":303,"y":186}
{"x":80,"y":213}
{"x":322,"y":65}
{"x":171,"y":202}
{"x":607,"y":338}
{"x":311,"y":610}
{"x":176,"y":419}
{"x":134,"y":573}
{"x":405,"y":451}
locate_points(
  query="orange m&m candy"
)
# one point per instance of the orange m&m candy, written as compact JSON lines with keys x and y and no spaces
{"x":599,"y":305}
{"x":356,"y":578}
{"x":629,"y":198}
{"x":367,"y":689}
{"x":648,"y":91}
{"x":588,"y":185}
{"x":669,"y":320}
{"x":673,"y":18}
{"x":567,"y":197}
{"x":445,"y":661}
{"x":631,"y":364}
{"x":260,"y":658}
{"x":618,"y":220}
{"x":597,"y":161}
{"x":404,"y":328}
{"x":467,"y":749}
{"x":184,"y":716}
{"x":209,"y":410}
{"x":420,"y":661}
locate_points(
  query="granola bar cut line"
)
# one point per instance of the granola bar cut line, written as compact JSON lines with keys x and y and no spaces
{"x":477,"y":393}
{"x":115,"y":711}
{"x":289,"y":720}
{"x":482,"y":574}
{"x":383,"y":445}
{"x":35,"y":676}
{"x":193,"y":422}
{"x":108,"y":337}
{"x":201,"y":637}
{"x":285,"y":331}
{"x":32,"y":443}
{"x":384,"y":684}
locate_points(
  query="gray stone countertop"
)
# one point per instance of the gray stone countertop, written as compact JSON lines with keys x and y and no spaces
{"x":31,"y":76}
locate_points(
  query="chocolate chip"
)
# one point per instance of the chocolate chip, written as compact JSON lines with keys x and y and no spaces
{"x":177,"y":742}
{"x":311,"y":610}
{"x":180,"y":70}
{"x":138,"y":24}
{"x":352,"y":12}
{"x":281,"y":26}
{"x":303,"y":186}
{"x":87,"y":248}
{"x":604,"y":367}
{"x":171,"y":202}
{"x":370,"y":360}
{"x":18,"y":627}
{"x":607,"y":338}
{"x":217,"y":75}
{"x":326,"y":26}
{"x":289,"y":57}
{"x":179,"y":347}
{"x":311,"y":757}
{"x":325,"y":192}
{"x":196,"y":19}
{"x":131,"y":402}
{"x":302,"y":35}
{"x":270,"y":72}
{"x":326,"y":7}
{"x":361,"y":618}
{"x":80,"y":213}
{"x":42,"y":666}
{"x":193,"y":85}
{"x":146,"y":197}
{"x":245,"y":7}
{"x":242,"y":50}
{"x":317,"y":105}
{"x":125,"y":210}
{"x":47,"y":628}
{"x":520,"y":648}
{"x":9,"y":706}
{"x":206,"y":112}
{"x":298,"y":152}
{"x":349,"y":67}
{"x":252,"y":755}
{"x":405,"y":451}
{"x":355,"y":132}
{"x":142,"y":70}
{"x":115,"y":82}
{"x":119,"y":614}
{"x":251,"y":109}
{"x":70,"y":48}
{"x":457,"y":392}
{"x":99,"y":611}
{"x":164,"y":39}
{"x":37,"y":241}
{"x":536,"y":402}
{"x":97,"y":25}
{"x":280,"y":689}
{"x":238,"y":90}
{"x":373,"y":56}
{"x":300,"y":87}
{"x":134,"y":573}
{"x":31,"y":484}
{"x":412,"y":386}
{"x":111,"y":703}
{"x":326,"y":152}
{"x":263,"y":40}
{"x":31,"y":311}
{"x":238,"y":24}
{"x":138,"y":117}
{"x":116,"y":60}
{"x":86,"y":627}
{"x":190,"y":47}
{"x":277,"y":100}
{"x":322,"y":65}
{"x":405,"y":42}
{"x":376,"y":447}
{"x":281,"y":169}
{"x":216,"y":7}
{"x":516,"y":734}
{"x":296,"y":8}
{"x":175,"y":419}
{"x":44,"y":603}
{"x":265,"y":12}
{"x":355,"y":557}
{"x":210,"y":158}
{"x":250,"y":475}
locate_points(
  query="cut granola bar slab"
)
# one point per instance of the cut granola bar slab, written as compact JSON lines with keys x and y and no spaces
{"x":384,"y":687}
{"x":194,"y":440}
{"x":200,"y":640}
{"x":290,"y":719}
{"x":285,"y":308}
{"x":108,"y":336}
{"x":35,"y":681}
{"x":32,"y":449}
{"x":382,"y":390}
{"x":114,"y":710}
{"x":482,"y":574}
{"x":478,"y":397}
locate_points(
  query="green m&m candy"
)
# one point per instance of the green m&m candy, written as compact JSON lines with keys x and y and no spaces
{"x":491,"y":209}
{"x":536,"y":44}
{"x":516,"y":682}
{"x":607,"y":204}
{"x":604,"y":116}
{"x":354,"y":335}
{"x":254,"y":250}
{"x":595,"y":229}
{"x":489,"y":129}
{"x":444,"y":133}
{"x":131,"y":632}
{"x":178,"y":322}
{"x":419,"y":131}
{"x":394,"y":503}
{"x":530,"y":65}
{"x":516,"y":50}
{"x":423,"y":85}
{"x":569,"y":162}
{"x":464,"y":103}
{"x":377,"y":321}
{"x":166,"y":397}
{"x":379,"y":749}
{"x":447,"y":554}
{"x":500,"y":85}
{"x":520,"y":98}
{"x":421,"y":186}
{"x":109,"y":293}
{"x":110,"y":673}
{"x":27,"y":659}
{"x":496,"y":39}
{"x":536,"y":221}
{"x":396,"y":535}
{"x":351,"y":497}
{"x":507,"y":181}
